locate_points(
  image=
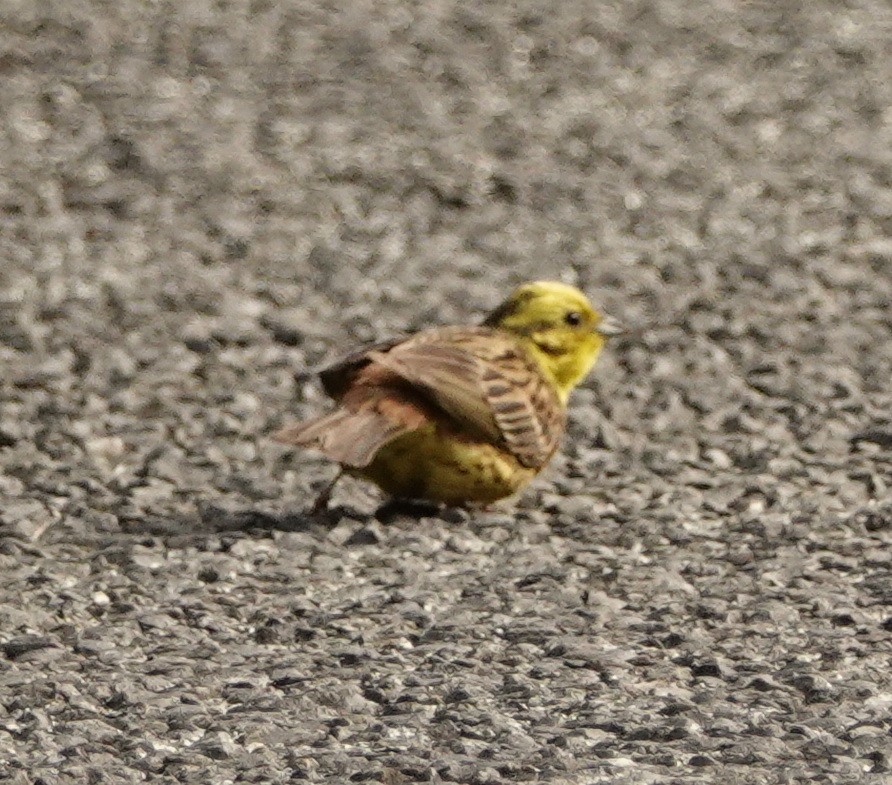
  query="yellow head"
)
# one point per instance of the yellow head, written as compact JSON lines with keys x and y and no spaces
{"x":559,"y":326}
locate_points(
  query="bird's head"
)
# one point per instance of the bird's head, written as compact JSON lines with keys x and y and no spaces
{"x":558,"y":324}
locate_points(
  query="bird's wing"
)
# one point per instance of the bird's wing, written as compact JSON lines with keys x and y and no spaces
{"x":375,"y":409}
{"x":353,"y":435}
{"x":349,"y":437}
{"x":338,"y":377}
{"x":485,"y":381}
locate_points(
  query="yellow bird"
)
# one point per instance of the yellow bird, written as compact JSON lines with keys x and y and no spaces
{"x":461,"y":414}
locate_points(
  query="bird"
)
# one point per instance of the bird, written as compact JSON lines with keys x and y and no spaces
{"x":460,"y":415}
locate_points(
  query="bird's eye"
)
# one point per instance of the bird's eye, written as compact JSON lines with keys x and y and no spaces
{"x":574,"y":318}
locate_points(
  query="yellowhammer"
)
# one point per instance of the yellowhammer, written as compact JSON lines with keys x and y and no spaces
{"x":461,"y":414}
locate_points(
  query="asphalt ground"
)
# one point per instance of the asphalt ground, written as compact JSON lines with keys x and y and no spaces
{"x":201,"y":202}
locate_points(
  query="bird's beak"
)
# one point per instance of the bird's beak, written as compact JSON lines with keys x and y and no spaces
{"x":609,"y":326}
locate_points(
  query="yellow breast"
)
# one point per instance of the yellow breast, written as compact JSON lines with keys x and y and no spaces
{"x":439,"y":465}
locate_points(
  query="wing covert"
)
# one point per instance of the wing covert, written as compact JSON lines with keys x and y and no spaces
{"x":485,"y":380}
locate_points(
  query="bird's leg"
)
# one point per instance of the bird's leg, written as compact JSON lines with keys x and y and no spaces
{"x":324,"y":497}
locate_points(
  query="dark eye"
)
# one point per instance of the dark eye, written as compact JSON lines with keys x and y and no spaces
{"x":574,"y":318}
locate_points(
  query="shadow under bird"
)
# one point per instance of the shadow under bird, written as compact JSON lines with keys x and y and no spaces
{"x":460,"y":414}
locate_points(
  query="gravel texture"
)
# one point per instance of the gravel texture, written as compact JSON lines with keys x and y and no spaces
{"x":202,"y":201}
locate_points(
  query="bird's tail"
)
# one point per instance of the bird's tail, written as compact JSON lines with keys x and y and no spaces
{"x":349,"y":437}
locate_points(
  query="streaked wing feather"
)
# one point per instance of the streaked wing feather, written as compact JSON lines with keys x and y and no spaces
{"x":483,"y":379}
{"x":525,"y":407}
{"x":450,"y":376}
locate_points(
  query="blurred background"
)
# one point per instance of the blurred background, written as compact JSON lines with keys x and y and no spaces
{"x":206,"y":196}
{"x":200,"y":202}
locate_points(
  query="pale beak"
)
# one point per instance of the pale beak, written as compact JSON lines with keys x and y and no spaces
{"x":609,"y":326}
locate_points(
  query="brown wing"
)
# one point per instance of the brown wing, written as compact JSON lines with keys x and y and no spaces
{"x":339,"y":377}
{"x":484,"y":380}
{"x":345,"y":436}
{"x":375,"y":409}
